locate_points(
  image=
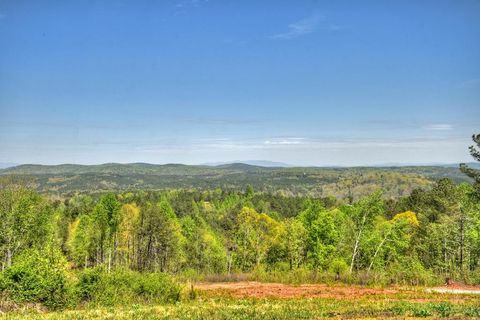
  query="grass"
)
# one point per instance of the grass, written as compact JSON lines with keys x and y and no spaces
{"x":220,"y":305}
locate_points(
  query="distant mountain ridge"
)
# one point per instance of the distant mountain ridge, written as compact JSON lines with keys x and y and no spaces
{"x":145,"y":167}
{"x":311,"y":181}
{"x":4,"y":165}
{"x":259,"y":163}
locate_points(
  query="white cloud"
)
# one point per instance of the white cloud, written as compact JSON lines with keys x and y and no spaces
{"x":284,"y":141}
{"x":439,"y":127}
{"x":300,"y":28}
{"x":190,"y":3}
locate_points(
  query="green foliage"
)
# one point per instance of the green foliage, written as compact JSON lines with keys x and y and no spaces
{"x":203,"y":248}
{"x":121,"y":246}
{"x":122,"y":286}
{"x":410,"y":271}
{"x":160,"y":238}
{"x":475,"y":153}
{"x":37,"y":276}
{"x":338,"y":266}
{"x":223,"y":307}
{"x":342,"y":183}
{"x":322,"y":234}
{"x":256,"y":233}
{"x":363,"y":215}
{"x":294,"y":242}
{"x":25,"y":220}
{"x":80,"y":240}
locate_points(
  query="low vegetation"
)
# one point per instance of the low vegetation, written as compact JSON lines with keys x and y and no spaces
{"x":409,"y":304}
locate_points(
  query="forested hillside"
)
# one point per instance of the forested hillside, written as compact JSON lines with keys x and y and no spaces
{"x":132,"y":236}
{"x":350,"y":183}
{"x":121,"y":247}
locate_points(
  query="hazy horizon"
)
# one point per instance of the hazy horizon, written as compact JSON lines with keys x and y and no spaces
{"x":261,"y":163}
{"x":305,"y":83}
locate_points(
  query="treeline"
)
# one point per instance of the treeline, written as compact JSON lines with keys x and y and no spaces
{"x":429,"y":233}
{"x":436,"y":232}
{"x":125,"y":247}
{"x":119,"y":248}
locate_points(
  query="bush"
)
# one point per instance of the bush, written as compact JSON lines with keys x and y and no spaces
{"x":88,"y":282}
{"x":410,"y":272}
{"x":38,"y":277}
{"x":122,"y":286}
{"x":339,"y":267}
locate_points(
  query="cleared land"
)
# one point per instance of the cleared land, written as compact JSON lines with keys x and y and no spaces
{"x":456,"y":288}
{"x":254,"y":300}
{"x":252,"y":289}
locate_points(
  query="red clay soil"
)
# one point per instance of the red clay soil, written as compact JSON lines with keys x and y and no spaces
{"x":278,"y":290}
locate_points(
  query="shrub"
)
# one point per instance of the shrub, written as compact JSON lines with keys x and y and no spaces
{"x":422,"y":313}
{"x":38,"y":277}
{"x":122,"y":286}
{"x":338,"y":267}
{"x":88,"y":282}
{"x":410,"y":272}
{"x":157,"y":287}
{"x":444,"y":309}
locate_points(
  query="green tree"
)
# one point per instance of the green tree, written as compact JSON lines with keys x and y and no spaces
{"x":160,"y":238}
{"x":322,"y":234}
{"x":363,"y":214}
{"x":393,"y":237}
{"x":249,"y":192}
{"x":25,"y":219}
{"x":106,"y":219}
{"x":294,"y":242}
{"x":475,"y":152}
{"x":203,"y":248}
{"x":256,"y":233}
{"x":127,"y":234}
{"x":80,"y":240}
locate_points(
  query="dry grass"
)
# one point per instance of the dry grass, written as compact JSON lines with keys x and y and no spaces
{"x":251,"y":300}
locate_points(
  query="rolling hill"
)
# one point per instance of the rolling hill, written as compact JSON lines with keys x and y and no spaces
{"x":311,"y":181}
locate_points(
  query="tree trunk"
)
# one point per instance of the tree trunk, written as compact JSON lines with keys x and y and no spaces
{"x":376,"y":252}
{"x":229,"y":263}
{"x":355,"y":250}
{"x":9,"y":257}
{"x":357,"y":242}
{"x":462,"y":237}
{"x":109,"y":259}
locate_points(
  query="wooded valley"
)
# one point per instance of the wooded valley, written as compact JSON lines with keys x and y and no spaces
{"x":106,"y":248}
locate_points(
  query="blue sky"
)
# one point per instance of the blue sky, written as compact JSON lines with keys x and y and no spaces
{"x":195,"y":81}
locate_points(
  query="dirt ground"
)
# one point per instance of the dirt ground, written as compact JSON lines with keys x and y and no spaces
{"x":456,"y":288}
{"x":263,"y":290}
{"x":245,"y":289}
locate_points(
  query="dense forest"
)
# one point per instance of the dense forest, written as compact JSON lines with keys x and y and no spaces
{"x":64,"y":251}
{"x":343,"y":183}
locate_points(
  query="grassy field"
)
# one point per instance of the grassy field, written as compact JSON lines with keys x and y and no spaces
{"x":275,"y":301}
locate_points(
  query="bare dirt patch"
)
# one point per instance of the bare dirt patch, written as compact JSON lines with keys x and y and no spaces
{"x":456,"y":288}
{"x":252,"y":289}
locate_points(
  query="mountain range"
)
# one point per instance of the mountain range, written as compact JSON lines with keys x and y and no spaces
{"x":306,"y":181}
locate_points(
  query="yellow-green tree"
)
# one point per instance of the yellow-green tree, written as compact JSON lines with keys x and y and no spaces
{"x":256,"y":233}
{"x":127,"y":234}
{"x":393,"y":236}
